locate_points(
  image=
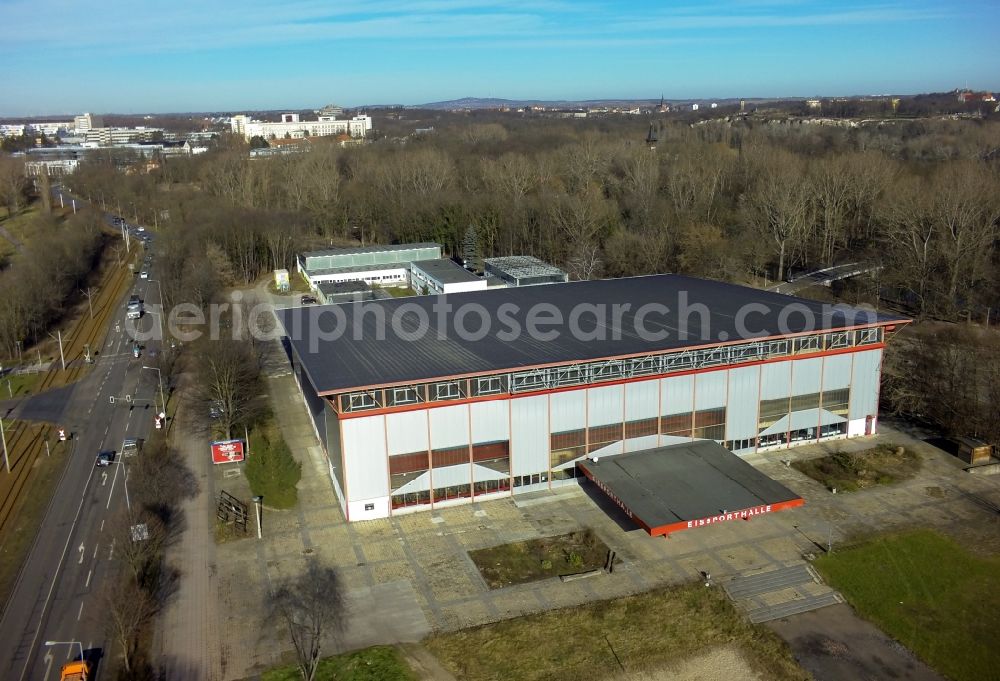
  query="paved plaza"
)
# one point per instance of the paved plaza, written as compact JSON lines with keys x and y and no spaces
{"x":409,"y":575}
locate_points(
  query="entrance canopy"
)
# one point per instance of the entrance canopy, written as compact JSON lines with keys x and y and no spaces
{"x":686,"y":485}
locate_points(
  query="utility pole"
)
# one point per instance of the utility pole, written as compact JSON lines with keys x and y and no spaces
{"x":62,"y":358}
{"x":3,"y":439}
{"x":90,"y":299}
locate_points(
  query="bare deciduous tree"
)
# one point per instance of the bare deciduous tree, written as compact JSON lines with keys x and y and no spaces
{"x":778,"y":205}
{"x":228,"y":388}
{"x":129,"y":608}
{"x":311,"y":607}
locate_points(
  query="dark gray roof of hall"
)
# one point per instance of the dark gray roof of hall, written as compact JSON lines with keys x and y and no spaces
{"x":347,"y":346}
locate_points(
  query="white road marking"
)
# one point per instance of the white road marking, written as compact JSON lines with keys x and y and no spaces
{"x":104,"y":478}
{"x":97,"y":547}
{"x":112,"y":492}
{"x":81,"y":554}
{"x":55,"y":577}
{"x":90,"y":573}
{"x":102,"y":526}
{"x":111,"y":553}
{"x":80,"y":613}
{"x":48,"y":662}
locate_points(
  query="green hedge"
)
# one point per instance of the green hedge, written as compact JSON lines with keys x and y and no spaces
{"x":271,"y":469}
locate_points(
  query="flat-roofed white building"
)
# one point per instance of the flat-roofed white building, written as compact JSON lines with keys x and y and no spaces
{"x":380,"y":264}
{"x":291,"y":126}
{"x":86,"y":121}
{"x":426,"y":414}
{"x":443,"y":276}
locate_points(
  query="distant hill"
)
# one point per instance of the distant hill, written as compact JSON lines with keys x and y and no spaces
{"x":496,"y":103}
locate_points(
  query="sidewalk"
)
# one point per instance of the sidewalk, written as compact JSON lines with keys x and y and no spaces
{"x":188,"y":643}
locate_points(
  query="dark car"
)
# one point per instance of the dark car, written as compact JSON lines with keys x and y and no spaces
{"x":105,"y":458}
{"x":308,"y":300}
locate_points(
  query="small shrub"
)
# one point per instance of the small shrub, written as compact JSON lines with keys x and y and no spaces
{"x":546,"y":564}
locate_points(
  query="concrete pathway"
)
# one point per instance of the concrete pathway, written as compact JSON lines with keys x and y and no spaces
{"x":189,"y":644}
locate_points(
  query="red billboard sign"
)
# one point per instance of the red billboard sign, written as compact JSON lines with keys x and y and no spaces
{"x":227,"y":451}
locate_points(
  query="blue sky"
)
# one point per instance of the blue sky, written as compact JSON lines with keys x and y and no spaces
{"x":61,"y":56}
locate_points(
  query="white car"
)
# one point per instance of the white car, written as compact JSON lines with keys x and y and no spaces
{"x":144,"y":275}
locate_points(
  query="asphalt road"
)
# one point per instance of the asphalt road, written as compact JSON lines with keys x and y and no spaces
{"x":59,"y":594}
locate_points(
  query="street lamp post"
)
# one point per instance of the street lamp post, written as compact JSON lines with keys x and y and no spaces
{"x":49,"y":644}
{"x":257,"y":502}
{"x":159,"y":378}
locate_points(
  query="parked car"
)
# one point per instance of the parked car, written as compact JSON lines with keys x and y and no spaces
{"x":144,"y":275}
{"x":131,"y":447}
{"x":308,"y":300}
{"x":105,"y":458}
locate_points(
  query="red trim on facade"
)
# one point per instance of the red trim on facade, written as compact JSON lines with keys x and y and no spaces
{"x":685,"y":348}
{"x":728,"y":516}
{"x":649,"y":377}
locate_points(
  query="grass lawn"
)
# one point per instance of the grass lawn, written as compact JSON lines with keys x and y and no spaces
{"x":929,"y":593}
{"x":17,"y":539}
{"x":646,"y":631}
{"x":851,"y":471}
{"x":527,"y":561}
{"x":296,"y":285}
{"x":14,"y":385}
{"x":400,"y":292}
{"x":380,"y":663}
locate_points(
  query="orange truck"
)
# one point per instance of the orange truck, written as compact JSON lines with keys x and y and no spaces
{"x":75,"y":671}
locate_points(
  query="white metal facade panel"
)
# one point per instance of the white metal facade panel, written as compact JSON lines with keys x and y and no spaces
{"x":490,"y":421}
{"x":449,"y":426}
{"x":677,"y":395}
{"x":406,"y":432}
{"x":529,"y":435}
{"x":368,"y":509}
{"x":604,"y":405}
{"x":642,"y":400}
{"x":366,"y":465}
{"x":837,"y":371}
{"x":806,"y":374}
{"x":741,"y":412}
{"x":636,"y":444}
{"x":569,"y":410}
{"x":775,"y":380}
{"x":864,"y":383}
{"x":710,"y":390}
{"x":612,"y":449}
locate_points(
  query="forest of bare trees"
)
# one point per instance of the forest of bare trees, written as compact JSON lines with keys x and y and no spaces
{"x":724,"y":200}
{"x":40,"y":281}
